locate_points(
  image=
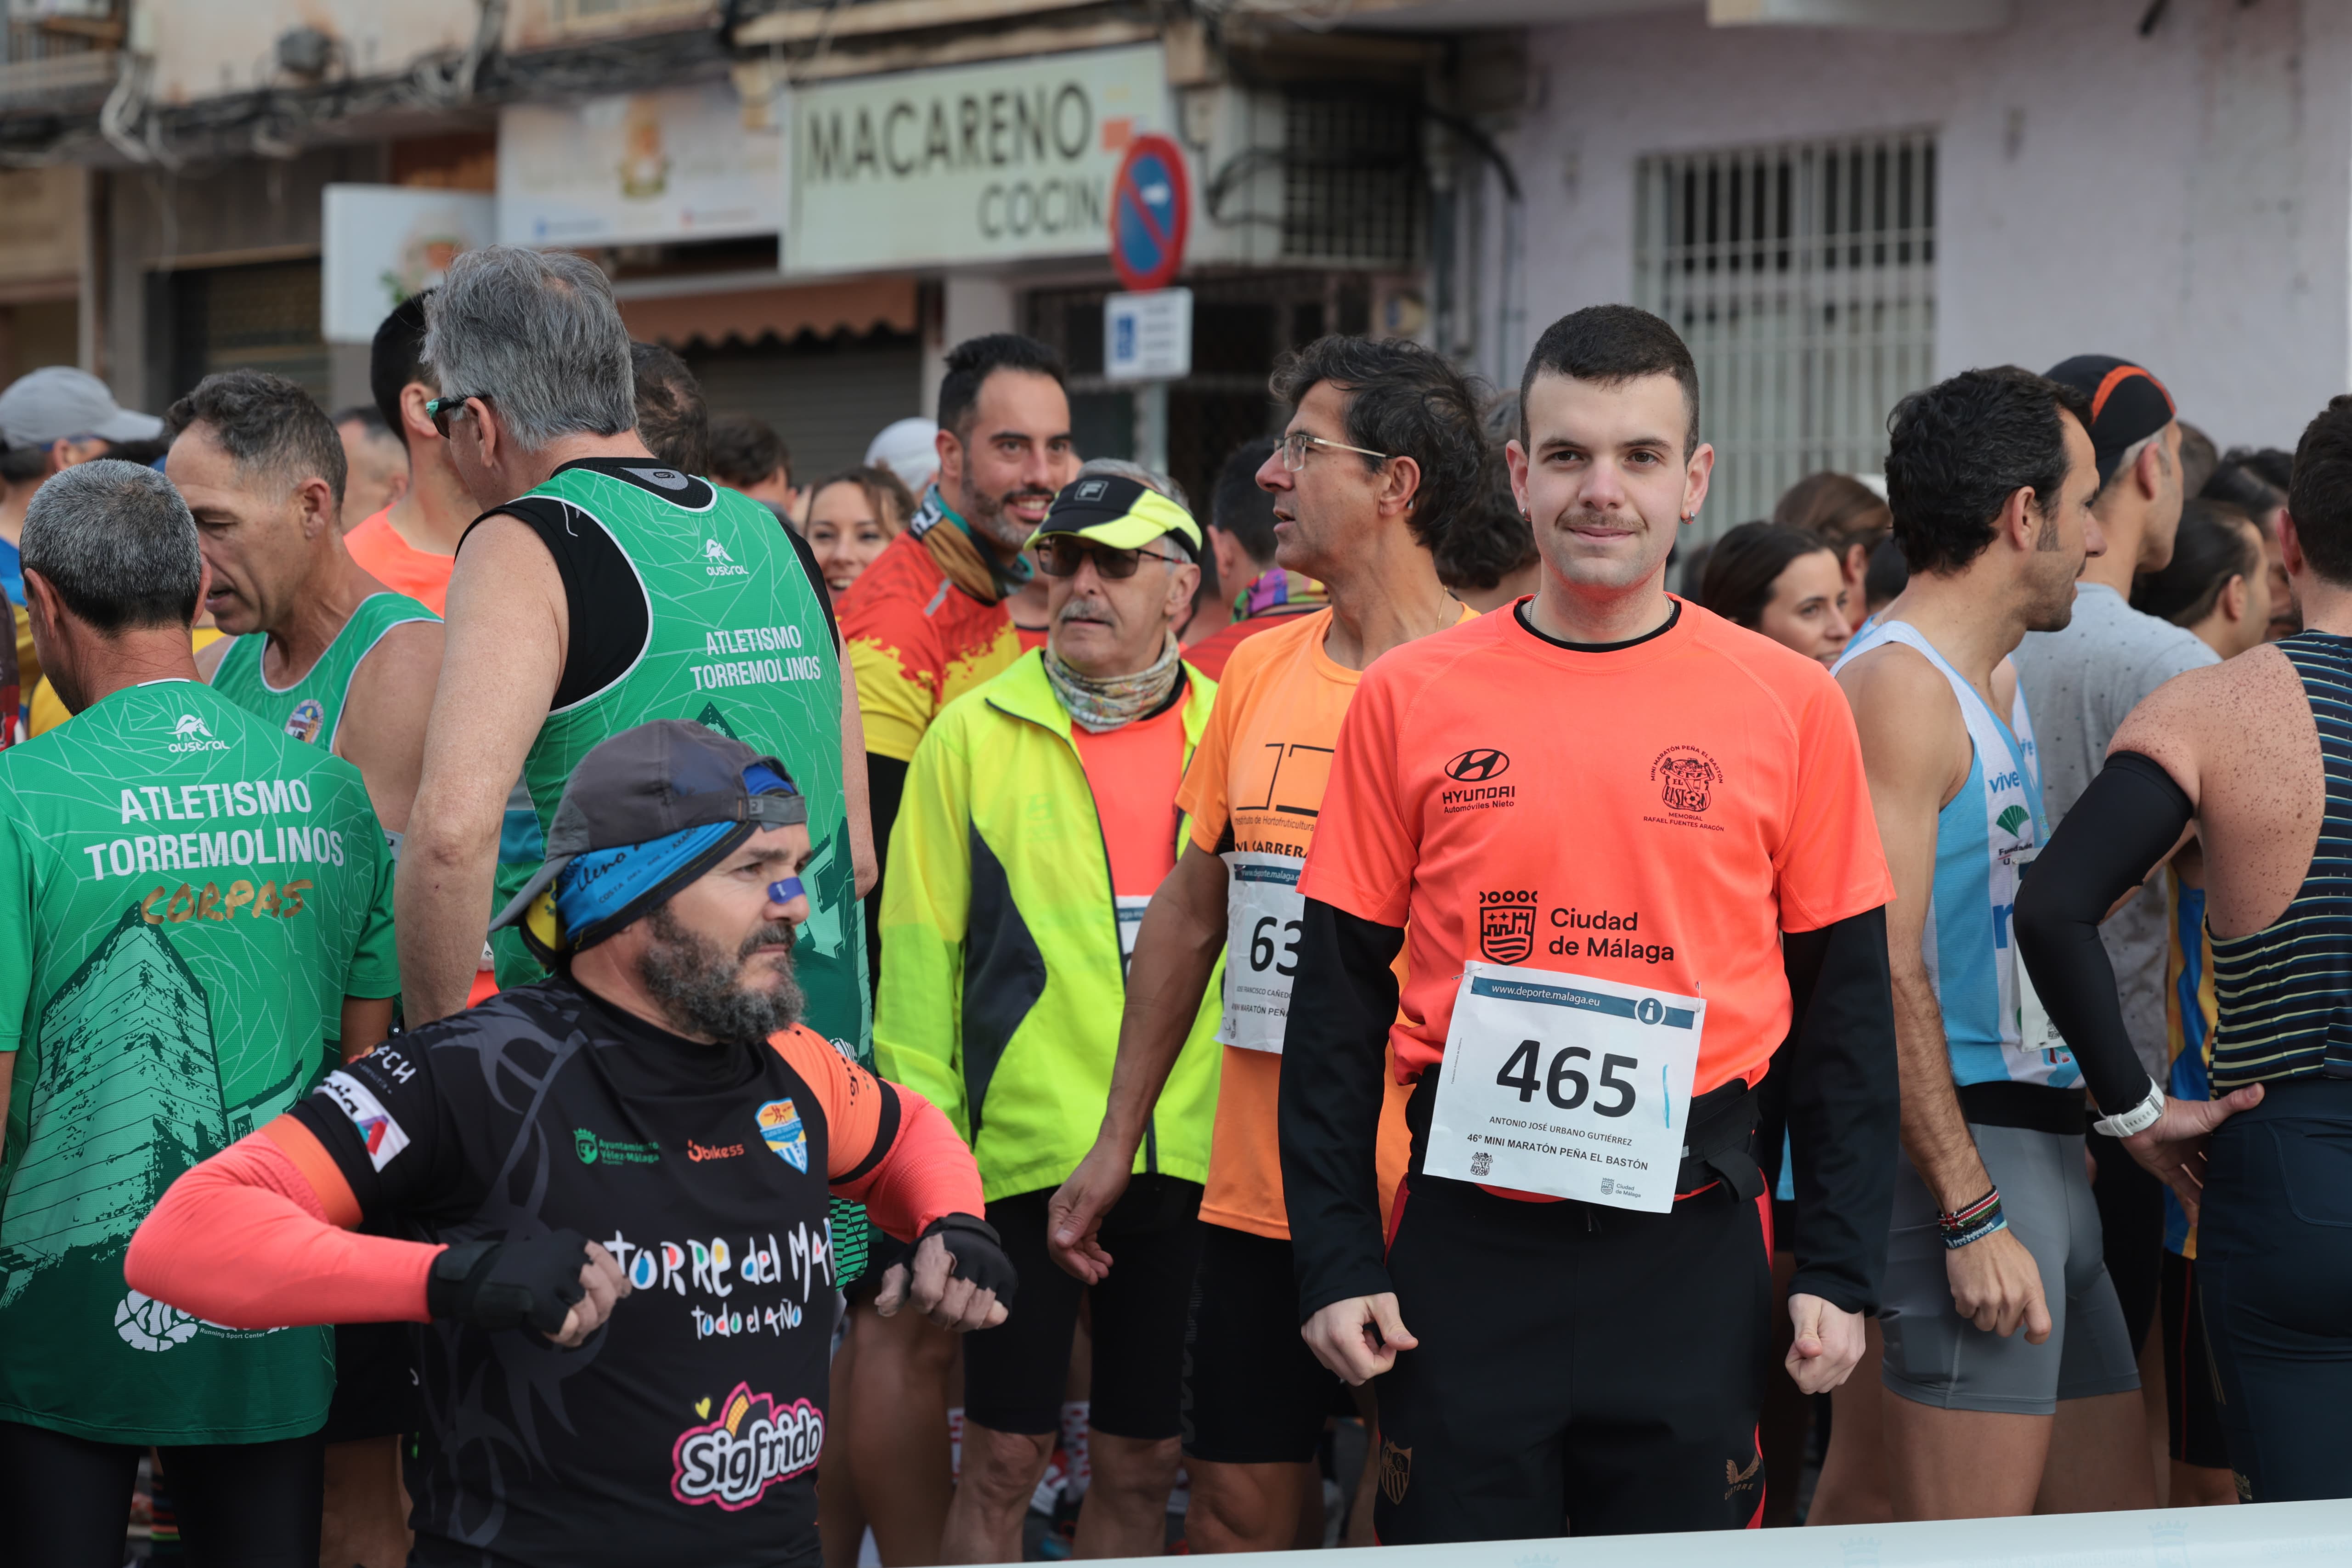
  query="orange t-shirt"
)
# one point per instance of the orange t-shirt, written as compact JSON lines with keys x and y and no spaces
{"x":1702,"y":788}
{"x":1255,"y":788}
{"x":917,"y":642}
{"x":399,"y":565}
{"x":1133,"y":772}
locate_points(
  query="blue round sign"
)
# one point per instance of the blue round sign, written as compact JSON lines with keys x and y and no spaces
{"x":1150,"y":209}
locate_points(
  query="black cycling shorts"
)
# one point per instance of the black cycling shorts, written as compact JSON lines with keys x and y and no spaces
{"x":65,"y":1500}
{"x":1014,"y":1374}
{"x":2130,"y":1200}
{"x":1580,"y":1369}
{"x":1253,"y":1392}
{"x":375,"y":1384}
{"x":2192,"y":1417}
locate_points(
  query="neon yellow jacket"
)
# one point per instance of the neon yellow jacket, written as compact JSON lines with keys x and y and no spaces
{"x":1002,"y":978}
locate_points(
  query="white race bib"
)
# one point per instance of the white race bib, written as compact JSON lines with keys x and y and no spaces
{"x":1566,"y":1085}
{"x":1263,"y":911}
{"x":2036,"y":1035}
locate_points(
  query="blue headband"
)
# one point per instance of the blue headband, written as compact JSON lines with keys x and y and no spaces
{"x":606,"y":887}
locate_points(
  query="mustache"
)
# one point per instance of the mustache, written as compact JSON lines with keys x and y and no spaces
{"x":1026,"y":492}
{"x":1093,"y":611}
{"x":775,"y":933}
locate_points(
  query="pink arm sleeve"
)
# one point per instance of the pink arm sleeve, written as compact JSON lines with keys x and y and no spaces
{"x":928,"y":1172}
{"x":243,"y":1240}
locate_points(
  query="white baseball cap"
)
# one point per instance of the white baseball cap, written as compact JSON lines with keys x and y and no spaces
{"x":58,"y":403}
{"x":908,"y":448}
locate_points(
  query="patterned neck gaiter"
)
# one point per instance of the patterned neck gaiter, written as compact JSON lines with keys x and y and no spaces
{"x":1098,"y":705}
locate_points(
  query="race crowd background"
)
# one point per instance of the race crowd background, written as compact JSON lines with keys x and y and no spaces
{"x":1033,"y":763}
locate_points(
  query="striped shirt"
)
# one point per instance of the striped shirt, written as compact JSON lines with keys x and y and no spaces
{"x":2281,"y":990}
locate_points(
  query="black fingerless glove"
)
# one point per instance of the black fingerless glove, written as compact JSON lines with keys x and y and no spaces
{"x":979,"y":1255}
{"x":509,"y":1284}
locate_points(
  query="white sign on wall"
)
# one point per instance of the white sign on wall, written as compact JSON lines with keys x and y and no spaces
{"x":1148,"y":337}
{"x":678,"y":164}
{"x":380,"y":244}
{"x":986,"y":162}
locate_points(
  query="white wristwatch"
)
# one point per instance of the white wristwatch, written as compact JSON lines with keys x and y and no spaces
{"x":2138,"y":1119}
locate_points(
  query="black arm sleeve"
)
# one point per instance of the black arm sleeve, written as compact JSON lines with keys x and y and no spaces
{"x":1844,"y":1113}
{"x":886,"y":786}
{"x":2122,"y":827}
{"x":1333,"y":1052}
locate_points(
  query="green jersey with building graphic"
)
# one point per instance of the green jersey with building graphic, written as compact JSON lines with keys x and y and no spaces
{"x":737,"y":638}
{"x":186,"y":895}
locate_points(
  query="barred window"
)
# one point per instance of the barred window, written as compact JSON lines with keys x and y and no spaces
{"x":1802,"y":275}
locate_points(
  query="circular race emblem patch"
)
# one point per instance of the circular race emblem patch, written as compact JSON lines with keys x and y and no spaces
{"x":147,"y":1324}
{"x":305,"y":721}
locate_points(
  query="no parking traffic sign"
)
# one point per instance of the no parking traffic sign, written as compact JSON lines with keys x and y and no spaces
{"x":1150,"y":209}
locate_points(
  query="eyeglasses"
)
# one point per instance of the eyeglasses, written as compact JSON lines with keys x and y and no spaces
{"x":1295,"y":446}
{"x":441,"y":410}
{"x":1062,"y":555}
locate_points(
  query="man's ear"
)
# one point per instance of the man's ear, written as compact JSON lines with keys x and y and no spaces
{"x":2020,"y":520}
{"x":319,"y":508}
{"x":414,"y":420}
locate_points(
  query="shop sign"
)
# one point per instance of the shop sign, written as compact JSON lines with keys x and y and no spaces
{"x":380,"y":244}
{"x":976,"y":163}
{"x":678,"y":164}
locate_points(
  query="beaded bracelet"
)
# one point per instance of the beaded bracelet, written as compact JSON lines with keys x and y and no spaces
{"x":1974,"y":1223}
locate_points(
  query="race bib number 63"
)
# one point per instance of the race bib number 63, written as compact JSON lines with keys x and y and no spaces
{"x":1566,"y":1085}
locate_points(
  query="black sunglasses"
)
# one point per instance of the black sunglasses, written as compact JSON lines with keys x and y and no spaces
{"x":441,"y":410}
{"x":1061,"y":555}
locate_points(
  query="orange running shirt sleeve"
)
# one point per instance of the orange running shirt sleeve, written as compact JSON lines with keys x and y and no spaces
{"x":905,"y":1165}
{"x":1654,"y":815}
{"x":257,"y":1237}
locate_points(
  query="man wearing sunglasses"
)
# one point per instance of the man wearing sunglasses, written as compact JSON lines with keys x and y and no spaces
{"x":1382,"y":453}
{"x":602,"y":591}
{"x":1038,"y":818}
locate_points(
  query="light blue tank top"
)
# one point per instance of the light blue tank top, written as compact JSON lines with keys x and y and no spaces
{"x":1984,"y":838}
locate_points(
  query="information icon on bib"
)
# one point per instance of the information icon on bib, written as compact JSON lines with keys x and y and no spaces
{"x":1566,"y":1085}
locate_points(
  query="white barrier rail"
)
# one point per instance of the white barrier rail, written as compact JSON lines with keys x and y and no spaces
{"x":2271,"y":1534}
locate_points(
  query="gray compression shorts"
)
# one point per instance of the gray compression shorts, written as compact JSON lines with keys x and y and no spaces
{"x":1936,"y":1357}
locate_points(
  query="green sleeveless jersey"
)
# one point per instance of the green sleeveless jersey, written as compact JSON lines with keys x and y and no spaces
{"x":737,"y":638}
{"x":311,"y":708}
{"x":186,"y":896}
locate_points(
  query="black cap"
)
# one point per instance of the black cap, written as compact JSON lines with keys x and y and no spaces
{"x":2129,"y":405}
{"x":651,"y":781}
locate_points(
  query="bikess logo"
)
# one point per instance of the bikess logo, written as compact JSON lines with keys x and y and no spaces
{"x":1686,"y":777}
{"x":1506,"y":925}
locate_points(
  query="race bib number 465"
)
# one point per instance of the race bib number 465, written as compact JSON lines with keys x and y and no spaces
{"x":1566,"y":1085}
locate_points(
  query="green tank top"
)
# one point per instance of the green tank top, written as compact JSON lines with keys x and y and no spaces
{"x":311,"y":709}
{"x":738,"y":639}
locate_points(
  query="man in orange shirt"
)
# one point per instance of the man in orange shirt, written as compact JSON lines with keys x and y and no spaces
{"x":1382,"y":447}
{"x":411,"y":545}
{"x":1624,"y":837}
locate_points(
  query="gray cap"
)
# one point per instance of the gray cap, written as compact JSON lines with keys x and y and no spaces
{"x":651,"y":781}
{"x":57,"y":402}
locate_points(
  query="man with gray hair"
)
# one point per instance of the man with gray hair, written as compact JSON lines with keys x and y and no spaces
{"x":314,"y":644}
{"x":604,"y":590}
{"x":192,"y":907}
